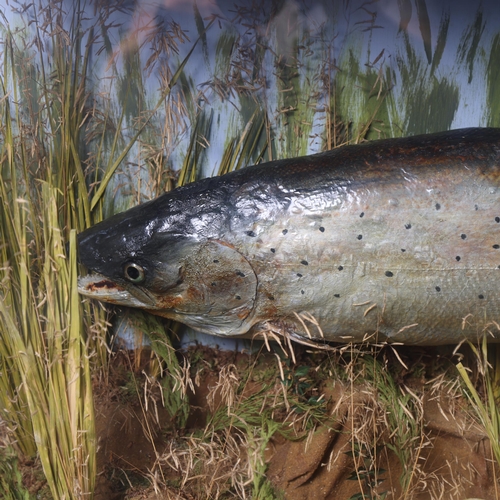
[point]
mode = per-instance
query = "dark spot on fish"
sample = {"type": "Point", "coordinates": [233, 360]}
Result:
{"type": "Point", "coordinates": [362, 214]}
{"type": "Point", "coordinates": [497, 219]}
{"type": "Point", "coordinates": [270, 297]}
{"type": "Point", "coordinates": [251, 234]}
{"type": "Point", "coordinates": [438, 289]}
{"type": "Point", "coordinates": [496, 247]}
{"type": "Point", "coordinates": [403, 249]}
{"type": "Point", "coordinates": [336, 295]}
{"type": "Point", "coordinates": [284, 231]}
{"type": "Point", "coordinates": [457, 258]}
{"type": "Point", "coordinates": [463, 236]}
{"type": "Point", "coordinates": [476, 207]}
{"type": "Point", "coordinates": [408, 226]}
{"type": "Point", "coordinates": [239, 273]}
{"type": "Point", "coordinates": [273, 250]}
{"type": "Point", "coordinates": [322, 229]}
{"type": "Point", "coordinates": [299, 275]}
{"type": "Point", "coordinates": [481, 296]}
{"type": "Point", "coordinates": [389, 274]}
{"type": "Point", "coordinates": [302, 292]}
{"type": "Point", "coordinates": [215, 261]}
{"type": "Point", "coordinates": [360, 236]}
{"type": "Point", "coordinates": [304, 262]}
{"type": "Point", "coordinates": [438, 206]}
{"type": "Point", "coordinates": [238, 297]}
{"type": "Point", "coordinates": [340, 268]}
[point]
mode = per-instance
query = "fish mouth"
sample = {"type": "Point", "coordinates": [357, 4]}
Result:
{"type": "Point", "coordinates": [96, 286]}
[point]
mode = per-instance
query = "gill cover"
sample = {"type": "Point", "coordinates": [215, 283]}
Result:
{"type": "Point", "coordinates": [217, 292]}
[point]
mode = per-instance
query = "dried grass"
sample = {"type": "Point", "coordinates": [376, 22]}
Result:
{"type": "Point", "coordinates": [61, 130]}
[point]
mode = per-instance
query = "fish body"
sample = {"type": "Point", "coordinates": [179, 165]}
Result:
{"type": "Point", "coordinates": [394, 240]}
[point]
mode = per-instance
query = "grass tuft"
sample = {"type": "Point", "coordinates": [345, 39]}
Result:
{"type": "Point", "coordinates": [485, 402]}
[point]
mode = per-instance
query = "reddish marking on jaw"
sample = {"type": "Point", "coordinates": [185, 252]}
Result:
{"type": "Point", "coordinates": [111, 301]}
{"type": "Point", "coordinates": [103, 284]}
{"type": "Point", "coordinates": [194, 294]}
{"type": "Point", "coordinates": [191, 296]}
{"type": "Point", "coordinates": [170, 302]}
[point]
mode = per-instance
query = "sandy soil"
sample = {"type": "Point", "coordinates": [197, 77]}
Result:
{"type": "Point", "coordinates": [344, 457]}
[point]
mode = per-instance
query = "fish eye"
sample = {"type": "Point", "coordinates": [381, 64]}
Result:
{"type": "Point", "coordinates": [134, 273]}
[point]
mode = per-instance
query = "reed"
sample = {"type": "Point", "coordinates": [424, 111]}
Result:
{"type": "Point", "coordinates": [46, 397]}
{"type": "Point", "coordinates": [484, 400]}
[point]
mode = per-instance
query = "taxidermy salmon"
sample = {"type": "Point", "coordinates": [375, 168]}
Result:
{"type": "Point", "coordinates": [394, 240]}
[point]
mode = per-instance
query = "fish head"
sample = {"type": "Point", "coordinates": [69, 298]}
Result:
{"type": "Point", "coordinates": [139, 261]}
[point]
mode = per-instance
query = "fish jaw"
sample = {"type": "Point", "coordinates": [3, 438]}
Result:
{"type": "Point", "coordinates": [99, 287]}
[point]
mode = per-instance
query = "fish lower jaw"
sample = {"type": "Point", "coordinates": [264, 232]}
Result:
{"type": "Point", "coordinates": [98, 287]}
